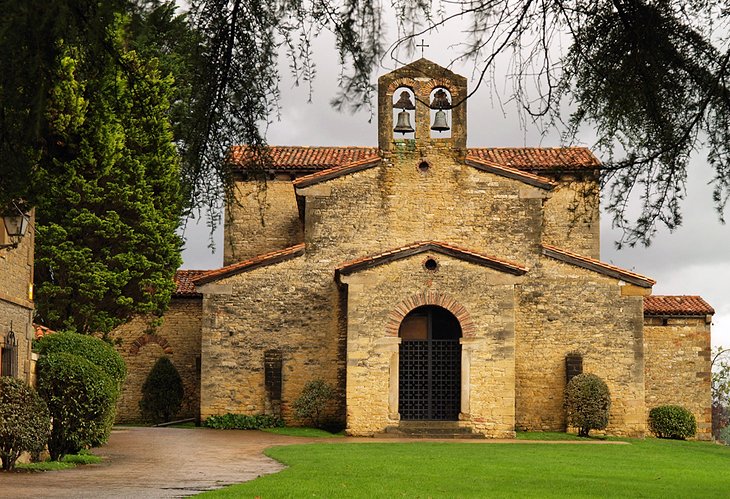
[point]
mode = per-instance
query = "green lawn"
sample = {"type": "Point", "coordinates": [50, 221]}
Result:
{"type": "Point", "coordinates": [648, 468]}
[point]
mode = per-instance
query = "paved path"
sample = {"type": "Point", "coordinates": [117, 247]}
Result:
{"type": "Point", "coordinates": [168, 462]}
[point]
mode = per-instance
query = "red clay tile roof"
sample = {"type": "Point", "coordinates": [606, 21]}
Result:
{"type": "Point", "coordinates": [184, 285]}
{"type": "Point", "coordinates": [676, 305]}
{"type": "Point", "coordinates": [539, 158]}
{"type": "Point", "coordinates": [369, 261]}
{"type": "Point", "coordinates": [597, 266]}
{"type": "Point", "coordinates": [337, 171]}
{"type": "Point", "coordinates": [250, 264]}
{"type": "Point", "coordinates": [506, 171]}
{"type": "Point", "coordinates": [305, 159]}
{"type": "Point", "coordinates": [41, 331]}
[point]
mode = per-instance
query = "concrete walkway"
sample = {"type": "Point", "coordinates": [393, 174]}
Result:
{"type": "Point", "coordinates": [169, 462]}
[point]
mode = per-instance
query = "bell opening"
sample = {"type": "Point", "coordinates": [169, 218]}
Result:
{"type": "Point", "coordinates": [403, 113]}
{"type": "Point", "coordinates": [440, 113]}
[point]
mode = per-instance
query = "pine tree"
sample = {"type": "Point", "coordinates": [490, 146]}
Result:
{"type": "Point", "coordinates": [106, 243]}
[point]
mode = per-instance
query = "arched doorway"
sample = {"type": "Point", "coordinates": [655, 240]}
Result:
{"type": "Point", "coordinates": [429, 384]}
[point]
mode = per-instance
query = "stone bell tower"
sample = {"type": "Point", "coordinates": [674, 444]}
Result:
{"type": "Point", "coordinates": [421, 106]}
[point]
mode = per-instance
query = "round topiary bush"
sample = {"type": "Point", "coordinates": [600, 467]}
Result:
{"type": "Point", "coordinates": [93, 349]}
{"type": "Point", "coordinates": [672, 421]}
{"type": "Point", "coordinates": [312, 405]}
{"type": "Point", "coordinates": [24, 421]}
{"type": "Point", "coordinates": [80, 397]}
{"type": "Point", "coordinates": [587, 403]}
{"type": "Point", "coordinates": [162, 392]}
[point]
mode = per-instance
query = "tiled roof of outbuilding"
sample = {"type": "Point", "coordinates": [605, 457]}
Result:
{"type": "Point", "coordinates": [184, 285]}
{"type": "Point", "coordinates": [312, 159]}
{"type": "Point", "coordinates": [676, 305]}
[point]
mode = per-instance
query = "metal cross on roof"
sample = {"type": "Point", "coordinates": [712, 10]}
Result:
{"type": "Point", "coordinates": [422, 46]}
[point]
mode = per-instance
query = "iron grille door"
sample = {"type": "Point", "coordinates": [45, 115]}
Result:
{"type": "Point", "coordinates": [430, 379]}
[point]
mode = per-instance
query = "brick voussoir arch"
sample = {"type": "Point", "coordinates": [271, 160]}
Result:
{"type": "Point", "coordinates": [146, 339]}
{"type": "Point", "coordinates": [437, 298]}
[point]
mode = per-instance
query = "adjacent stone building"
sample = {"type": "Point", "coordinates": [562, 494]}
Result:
{"type": "Point", "coordinates": [16, 302]}
{"type": "Point", "coordinates": [432, 284]}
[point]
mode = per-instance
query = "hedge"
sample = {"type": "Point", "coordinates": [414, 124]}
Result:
{"type": "Point", "coordinates": [24, 421]}
{"type": "Point", "coordinates": [672, 421]}
{"type": "Point", "coordinates": [243, 422]}
{"type": "Point", "coordinates": [587, 403]}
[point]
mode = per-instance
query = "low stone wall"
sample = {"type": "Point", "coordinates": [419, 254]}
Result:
{"type": "Point", "coordinates": [177, 338]}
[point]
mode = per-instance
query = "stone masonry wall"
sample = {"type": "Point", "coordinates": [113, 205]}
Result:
{"type": "Point", "coordinates": [16, 297]}
{"type": "Point", "coordinates": [572, 217]}
{"type": "Point", "coordinates": [677, 369]}
{"type": "Point", "coordinates": [484, 301]}
{"type": "Point", "coordinates": [566, 309]}
{"type": "Point", "coordinates": [177, 338]}
{"type": "Point", "coordinates": [291, 307]}
{"type": "Point", "coordinates": [394, 204]}
{"type": "Point", "coordinates": [264, 218]}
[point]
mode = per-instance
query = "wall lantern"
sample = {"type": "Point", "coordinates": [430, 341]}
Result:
{"type": "Point", "coordinates": [16, 225]}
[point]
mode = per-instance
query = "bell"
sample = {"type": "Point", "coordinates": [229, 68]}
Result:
{"type": "Point", "coordinates": [440, 100]}
{"type": "Point", "coordinates": [404, 123]}
{"type": "Point", "coordinates": [439, 122]}
{"type": "Point", "coordinates": [404, 102]}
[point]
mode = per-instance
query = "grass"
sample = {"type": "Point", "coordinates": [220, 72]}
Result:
{"type": "Point", "coordinates": [302, 432]}
{"type": "Point", "coordinates": [555, 435]}
{"type": "Point", "coordinates": [69, 461]}
{"type": "Point", "coordinates": [644, 468]}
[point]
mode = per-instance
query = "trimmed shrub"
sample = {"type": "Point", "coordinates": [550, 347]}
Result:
{"type": "Point", "coordinates": [243, 422]}
{"type": "Point", "coordinates": [587, 403]}
{"type": "Point", "coordinates": [80, 397]}
{"type": "Point", "coordinates": [91, 348]}
{"type": "Point", "coordinates": [311, 406]}
{"type": "Point", "coordinates": [162, 392]}
{"type": "Point", "coordinates": [24, 421]}
{"type": "Point", "coordinates": [672, 421]}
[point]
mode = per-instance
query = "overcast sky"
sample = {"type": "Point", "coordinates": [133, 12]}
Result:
{"type": "Point", "coordinates": [694, 260]}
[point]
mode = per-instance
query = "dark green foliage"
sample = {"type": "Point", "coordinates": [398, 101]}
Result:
{"type": "Point", "coordinates": [80, 397]}
{"type": "Point", "coordinates": [24, 421]}
{"type": "Point", "coordinates": [162, 392]}
{"type": "Point", "coordinates": [243, 422]}
{"type": "Point", "coordinates": [587, 403]}
{"type": "Point", "coordinates": [312, 406]}
{"type": "Point", "coordinates": [106, 245]}
{"type": "Point", "coordinates": [672, 421]}
{"type": "Point", "coordinates": [93, 349]}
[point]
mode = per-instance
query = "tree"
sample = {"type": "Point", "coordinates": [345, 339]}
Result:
{"type": "Point", "coordinates": [106, 245]}
{"type": "Point", "coordinates": [650, 76]}
{"type": "Point", "coordinates": [312, 406]}
{"type": "Point", "coordinates": [24, 421]}
{"type": "Point", "coordinates": [162, 392]}
{"type": "Point", "coordinates": [587, 403]}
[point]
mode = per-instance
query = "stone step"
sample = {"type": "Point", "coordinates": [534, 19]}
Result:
{"type": "Point", "coordinates": [430, 429]}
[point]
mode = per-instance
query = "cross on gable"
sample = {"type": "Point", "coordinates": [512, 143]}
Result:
{"type": "Point", "coordinates": [422, 45]}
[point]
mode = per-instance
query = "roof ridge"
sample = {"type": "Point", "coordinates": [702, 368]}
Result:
{"type": "Point", "coordinates": [337, 171]}
{"type": "Point", "coordinates": [510, 172]}
{"type": "Point", "coordinates": [251, 263]}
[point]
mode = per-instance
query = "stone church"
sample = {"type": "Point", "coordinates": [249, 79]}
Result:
{"type": "Point", "coordinates": [432, 284]}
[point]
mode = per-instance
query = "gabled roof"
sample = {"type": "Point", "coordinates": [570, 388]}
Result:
{"type": "Point", "coordinates": [597, 266]}
{"type": "Point", "coordinates": [337, 171]}
{"type": "Point", "coordinates": [509, 172]}
{"type": "Point", "coordinates": [676, 305]}
{"type": "Point", "coordinates": [539, 158]}
{"type": "Point", "coordinates": [399, 253]}
{"type": "Point", "coordinates": [250, 264]}
{"type": "Point", "coordinates": [185, 285]}
{"type": "Point", "coordinates": [304, 159]}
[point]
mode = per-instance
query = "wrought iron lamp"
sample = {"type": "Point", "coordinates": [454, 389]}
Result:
{"type": "Point", "coordinates": [16, 225]}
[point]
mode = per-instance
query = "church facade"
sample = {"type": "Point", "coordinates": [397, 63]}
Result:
{"type": "Point", "coordinates": [431, 284]}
